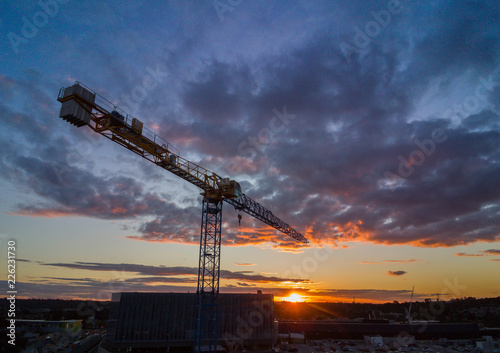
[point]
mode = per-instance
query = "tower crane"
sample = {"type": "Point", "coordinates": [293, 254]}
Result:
{"type": "Point", "coordinates": [81, 106]}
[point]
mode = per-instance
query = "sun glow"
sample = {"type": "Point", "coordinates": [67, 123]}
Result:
{"type": "Point", "coordinates": [295, 298]}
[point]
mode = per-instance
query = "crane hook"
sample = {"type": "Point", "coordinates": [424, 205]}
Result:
{"type": "Point", "coordinates": [239, 219]}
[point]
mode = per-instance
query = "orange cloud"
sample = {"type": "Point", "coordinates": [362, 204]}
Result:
{"type": "Point", "coordinates": [396, 273]}
{"type": "Point", "coordinates": [118, 210]}
{"type": "Point", "coordinates": [492, 251]}
{"type": "Point", "coordinates": [462, 254]}
{"type": "Point", "coordinates": [41, 213]}
{"type": "Point", "coordinates": [392, 261]}
{"type": "Point", "coordinates": [402, 261]}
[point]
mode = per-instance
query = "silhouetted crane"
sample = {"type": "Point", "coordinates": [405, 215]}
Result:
{"type": "Point", "coordinates": [81, 106]}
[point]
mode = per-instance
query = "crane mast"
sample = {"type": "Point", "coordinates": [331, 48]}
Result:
{"type": "Point", "coordinates": [83, 107]}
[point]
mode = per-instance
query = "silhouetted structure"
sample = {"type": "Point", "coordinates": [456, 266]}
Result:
{"type": "Point", "coordinates": [161, 320]}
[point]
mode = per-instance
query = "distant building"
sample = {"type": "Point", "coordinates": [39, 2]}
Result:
{"type": "Point", "coordinates": [156, 321]}
{"type": "Point", "coordinates": [45, 326]}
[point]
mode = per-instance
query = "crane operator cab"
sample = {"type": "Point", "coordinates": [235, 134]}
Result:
{"type": "Point", "coordinates": [230, 188]}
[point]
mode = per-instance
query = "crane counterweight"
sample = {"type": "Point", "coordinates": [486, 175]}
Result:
{"type": "Point", "coordinates": [72, 111]}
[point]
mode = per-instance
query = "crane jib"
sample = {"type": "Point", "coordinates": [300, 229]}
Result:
{"type": "Point", "coordinates": [81, 106]}
{"type": "Point", "coordinates": [253, 208]}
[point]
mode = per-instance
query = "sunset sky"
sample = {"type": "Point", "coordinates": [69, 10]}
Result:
{"type": "Point", "coordinates": [370, 127]}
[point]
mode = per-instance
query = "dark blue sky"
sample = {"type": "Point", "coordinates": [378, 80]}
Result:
{"type": "Point", "coordinates": [358, 122]}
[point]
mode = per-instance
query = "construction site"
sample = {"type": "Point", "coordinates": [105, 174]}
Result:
{"type": "Point", "coordinates": [207, 321]}
{"type": "Point", "coordinates": [250, 176]}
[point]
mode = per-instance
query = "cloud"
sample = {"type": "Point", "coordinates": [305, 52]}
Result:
{"type": "Point", "coordinates": [492, 252]}
{"type": "Point", "coordinates": [402, 261]}
{"type": "Point", "coordinates": [244, 264]}
{"type": "Point", "coordinates": [99, 289]}
{"type": "Point", "coordinates": [152, 280]}
{"type": "Point", "coordinates": [135, 277]}
{"type": "Point", "coordinates": [482, 253]}
{"type": "Point", "coordinates": [468, 255]}
{"type": "Point", "coordinates": [246, 284]}
{"type": "Point", "coordinates": [323, 171]}
{"type": "Point", "coordinates": [123, 268]}
{"type": "Point", "coordinates": [90, 288]}
{"type": "Point", "coordinates": [396, 273]}
{"type": "Point", "coordinates": [392, 261]}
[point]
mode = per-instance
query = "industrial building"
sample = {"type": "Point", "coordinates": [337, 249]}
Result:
{"type": "Point", "coordinates": [159, 321]}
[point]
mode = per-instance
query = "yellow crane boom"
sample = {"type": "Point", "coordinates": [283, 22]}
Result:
{"type": "Point", "coordinates": [81, 106]}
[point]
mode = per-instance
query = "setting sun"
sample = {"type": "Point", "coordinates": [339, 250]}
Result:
{"type": "Point", "coordinates": [295, 298]}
